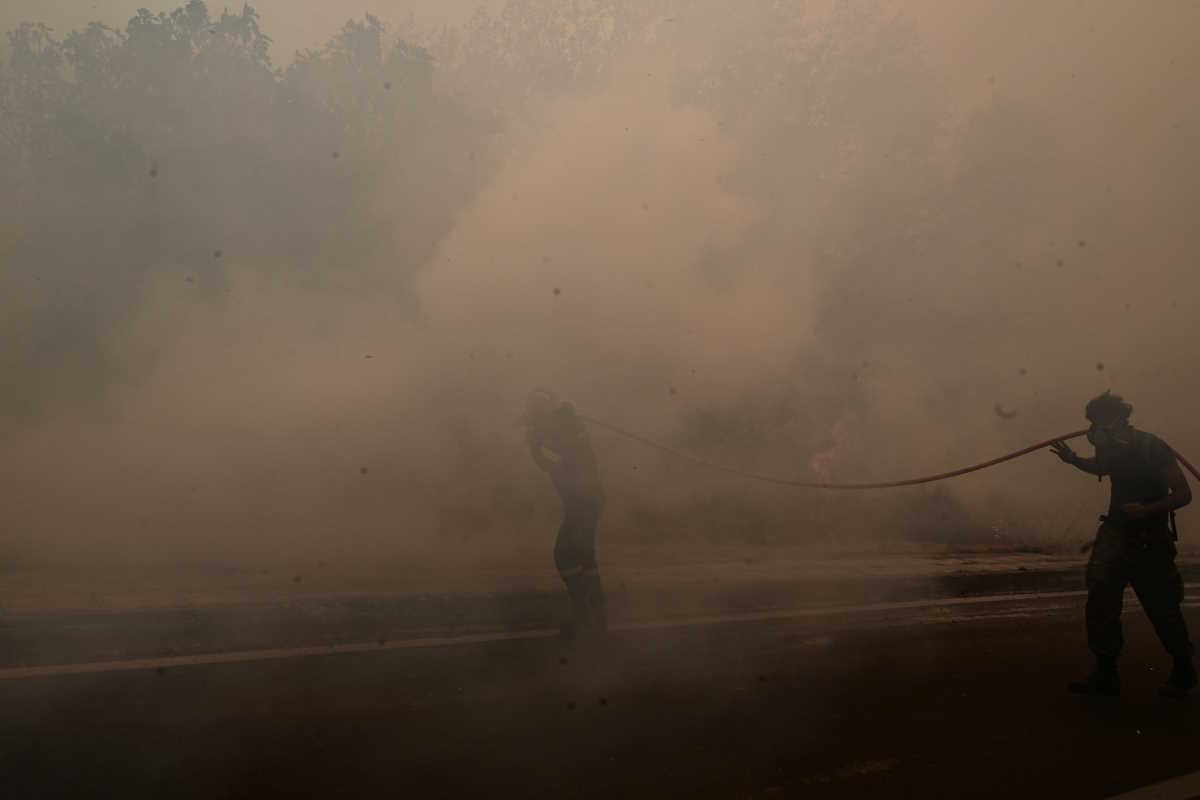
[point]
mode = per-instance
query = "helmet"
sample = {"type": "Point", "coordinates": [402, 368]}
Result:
{"type": "Point", "coordinates": [538, 406]}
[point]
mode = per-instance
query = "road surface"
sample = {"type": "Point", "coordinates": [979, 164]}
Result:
{"type": "Point", "coordinates": [952, 696]}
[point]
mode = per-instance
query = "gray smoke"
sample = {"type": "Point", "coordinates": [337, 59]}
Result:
{"type": "Point", "coordinates": [257, 303]}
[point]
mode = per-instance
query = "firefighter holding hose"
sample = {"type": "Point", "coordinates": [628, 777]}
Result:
{"type": "Point", "coordinates": [1134, 545]}
{"type": "Point", "coordinates": [559, 444]}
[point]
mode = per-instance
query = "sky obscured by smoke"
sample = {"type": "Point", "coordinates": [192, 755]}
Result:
{"type": "Point", "coordinates": [257, 308]}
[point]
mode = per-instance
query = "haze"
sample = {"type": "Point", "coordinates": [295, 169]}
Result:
{"type": "Point", "coordinates": [255, 310]}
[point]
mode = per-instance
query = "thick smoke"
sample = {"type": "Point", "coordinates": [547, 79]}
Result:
{"type": "Point", "coordinates": [297, 320]}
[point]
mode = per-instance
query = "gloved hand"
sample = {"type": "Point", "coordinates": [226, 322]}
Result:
{"type": "Point", "coordinates": [1135, 511]}
{"type": "Point", "coordinates": [1064, 451]}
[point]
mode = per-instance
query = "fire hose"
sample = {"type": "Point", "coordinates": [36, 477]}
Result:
{"type": "Point", "coordinates": [803, 484]}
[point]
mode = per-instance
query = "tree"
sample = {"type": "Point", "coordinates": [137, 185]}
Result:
{"type": "Point", "coordinates": [140, 153]}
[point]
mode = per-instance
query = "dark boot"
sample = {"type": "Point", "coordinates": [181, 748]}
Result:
{"type": "Point", "coordinates": [1181, 680]}
{"type": "Point", "coordinates": [1103, 682]}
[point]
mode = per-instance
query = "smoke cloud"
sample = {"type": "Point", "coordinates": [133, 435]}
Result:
{"type": "Point", "coordinates": [857, 242]}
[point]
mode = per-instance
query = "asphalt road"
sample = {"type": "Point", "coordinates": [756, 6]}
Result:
{"type": "Point", "coordinates": [959, 697]}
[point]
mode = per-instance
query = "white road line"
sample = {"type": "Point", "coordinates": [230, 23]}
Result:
{"type": "Point", "coordinates": [240, 656]}
{"type": "Point", "coordinates": [237, 657]}
{"type": "Point", "coordinates": [1185, 787]}
{"type": "Point", "coordinates": [829, 611]}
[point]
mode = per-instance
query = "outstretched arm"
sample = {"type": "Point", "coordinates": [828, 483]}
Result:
{"type": "Point", "coordinates": [1069, 456]}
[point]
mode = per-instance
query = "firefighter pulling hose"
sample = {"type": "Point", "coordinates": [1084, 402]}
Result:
{"type": "Point", "coordinates": [1135, 543]}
